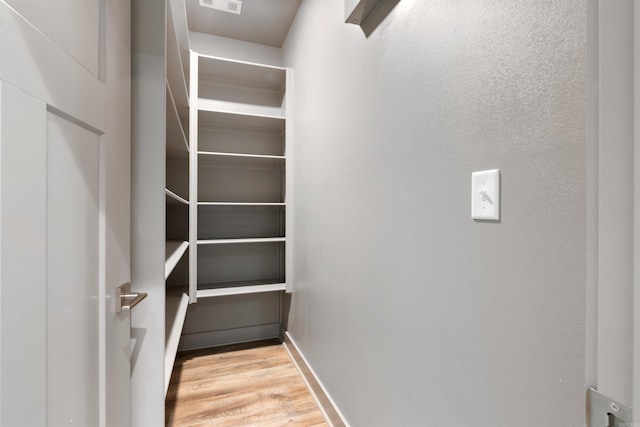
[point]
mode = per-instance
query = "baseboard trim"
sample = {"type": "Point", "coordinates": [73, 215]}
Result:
{"type": "Point", "coordinates": [327, 406]}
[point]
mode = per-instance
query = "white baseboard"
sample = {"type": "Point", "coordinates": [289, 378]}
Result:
{"type": "Point", "coordinates": [327, 406]}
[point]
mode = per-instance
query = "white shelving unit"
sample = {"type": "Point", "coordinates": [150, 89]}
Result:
{"type": "Point", "coordinates": [240, 131]}
{"type": "Point", "coordinates": [177, 153]}
{"type": "Point", "coordinates": [238, 177]}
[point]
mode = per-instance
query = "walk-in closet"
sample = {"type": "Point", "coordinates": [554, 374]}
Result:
{"type": "Point", "coordinates": [223, 216]}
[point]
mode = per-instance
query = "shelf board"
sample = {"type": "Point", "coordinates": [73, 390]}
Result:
{"type": "Point", "coordinates": [173, 253]}
{"type": "Point", "coordinates": [175, 72]}
{"type": "Point", "coordinates": [179, 15]}
{"type": "Point", "coordinates": [268, 77]}
{"type": "Point", "coordinates": [175, 313]}
{"type": "Point", "coordinates": [239, 108]}
{"type": "Point", "coordinates": [215, 159]}
{"type": "Point", "coordinates": [241, 155]}
{"type": "Point", "coordinates": [176, 138]}
{"type": "Point", "coordinates": [238, 288]}
{"type": "Point", "coordinates": [241, 129]}
{"type": "Point", "coordinates": [235, 115]}
{"type": "Point", "coordinates": [173, 198]}
{"type": "Point", "coordinates": [237, 241]}
{"type": "Point", "coordinates": [239, 204]}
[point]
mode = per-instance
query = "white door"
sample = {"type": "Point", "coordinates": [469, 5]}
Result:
{"type": "Point", "coordinates": [64, 212]}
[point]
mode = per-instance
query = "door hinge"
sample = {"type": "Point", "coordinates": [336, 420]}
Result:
{"type": "Point", "coordinates": [603, 411]}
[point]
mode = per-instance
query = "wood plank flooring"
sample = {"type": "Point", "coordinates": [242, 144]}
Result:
{"type": "Point", "coordinates": [252, 384]}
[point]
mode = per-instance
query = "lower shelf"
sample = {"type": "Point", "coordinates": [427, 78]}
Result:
{"type": "Point", "coordinates": [239, 288]}
{"type": "Point", "coordinates": [173, 253]}
{"type": "Point", "coordinates": [176, 311]}
{"type": "Point", "coordinates": [233, 241]}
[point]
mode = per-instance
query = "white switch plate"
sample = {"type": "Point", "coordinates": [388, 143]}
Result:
{"type": "Point", "coordinates": [485, 195]}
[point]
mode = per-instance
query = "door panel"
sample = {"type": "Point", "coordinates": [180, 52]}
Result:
{"type": "Point", "coordinates": [22, 275]}
{"type": "Point", "coordinates": [38, 66]}
{"type": "Point", "coordinates": [64, 217]}
{"type": "Point", "coordinates": [72, 274]}
{"type": "Point", "coordinates": [74, 25]}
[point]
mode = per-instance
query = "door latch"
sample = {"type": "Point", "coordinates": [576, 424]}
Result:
{"type": "Point", "coordinates": [606, 412]}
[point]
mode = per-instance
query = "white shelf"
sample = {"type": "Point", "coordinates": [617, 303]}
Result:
{"type": "Point", "coordinates": [228, 107]}
{"type": "Point", "coordinates": [173, 252]}
{"type": "Point", "coordinates": [231, 120]}
{"type": "Point", "coordinates": [266, 77]}
{"type": "Point", "coordinates": [240, 155]}
{"type": "Point", "coordinates": [175, 72]}
{"type": "Point", "coordinates": [176, 138]}
{"type": "Point", "coordinates": [236, 241]}
{"type": "Point", "coordinates": [174, 198]}
{"type": "Point", "coordinates": [239, 204]}
{"type": "Point", "coordinates": [175, 313]}
{"type": "Point", "coordinates": [237, 288]}
{"type": "Point", "coordinates": [209, 159]}
{"type": "Point", "coordinates": [224, 114]}
{"type": "Point", "coordinates": [179, 14]}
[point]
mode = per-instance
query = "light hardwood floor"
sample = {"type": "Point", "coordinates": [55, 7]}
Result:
{"type": "Point", "coordinates": [242, 385]}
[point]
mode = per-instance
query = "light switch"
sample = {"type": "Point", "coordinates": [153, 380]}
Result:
{"type": "Point", "coordinates": [485, 195]}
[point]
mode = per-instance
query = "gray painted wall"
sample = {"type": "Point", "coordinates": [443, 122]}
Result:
{"type": "Point", "coordinates": [410, 312]}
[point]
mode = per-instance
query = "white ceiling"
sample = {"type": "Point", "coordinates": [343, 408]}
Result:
{"type": "Point", "coordinates": [262, 21]}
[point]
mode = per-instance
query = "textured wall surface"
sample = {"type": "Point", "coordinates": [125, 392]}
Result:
{"type": "Point", "coordinates": [411, 313]}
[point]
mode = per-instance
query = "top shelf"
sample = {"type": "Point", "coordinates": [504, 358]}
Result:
{"type": "Point", "coordinates": [211, 116]}
{"type": "Point", "coordinates": [175, 72]}
{"type": "Point", "coordinates": [265, 77]}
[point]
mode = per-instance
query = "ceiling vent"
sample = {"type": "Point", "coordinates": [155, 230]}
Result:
{"type": "Point", "coordinates": [231, 6]}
